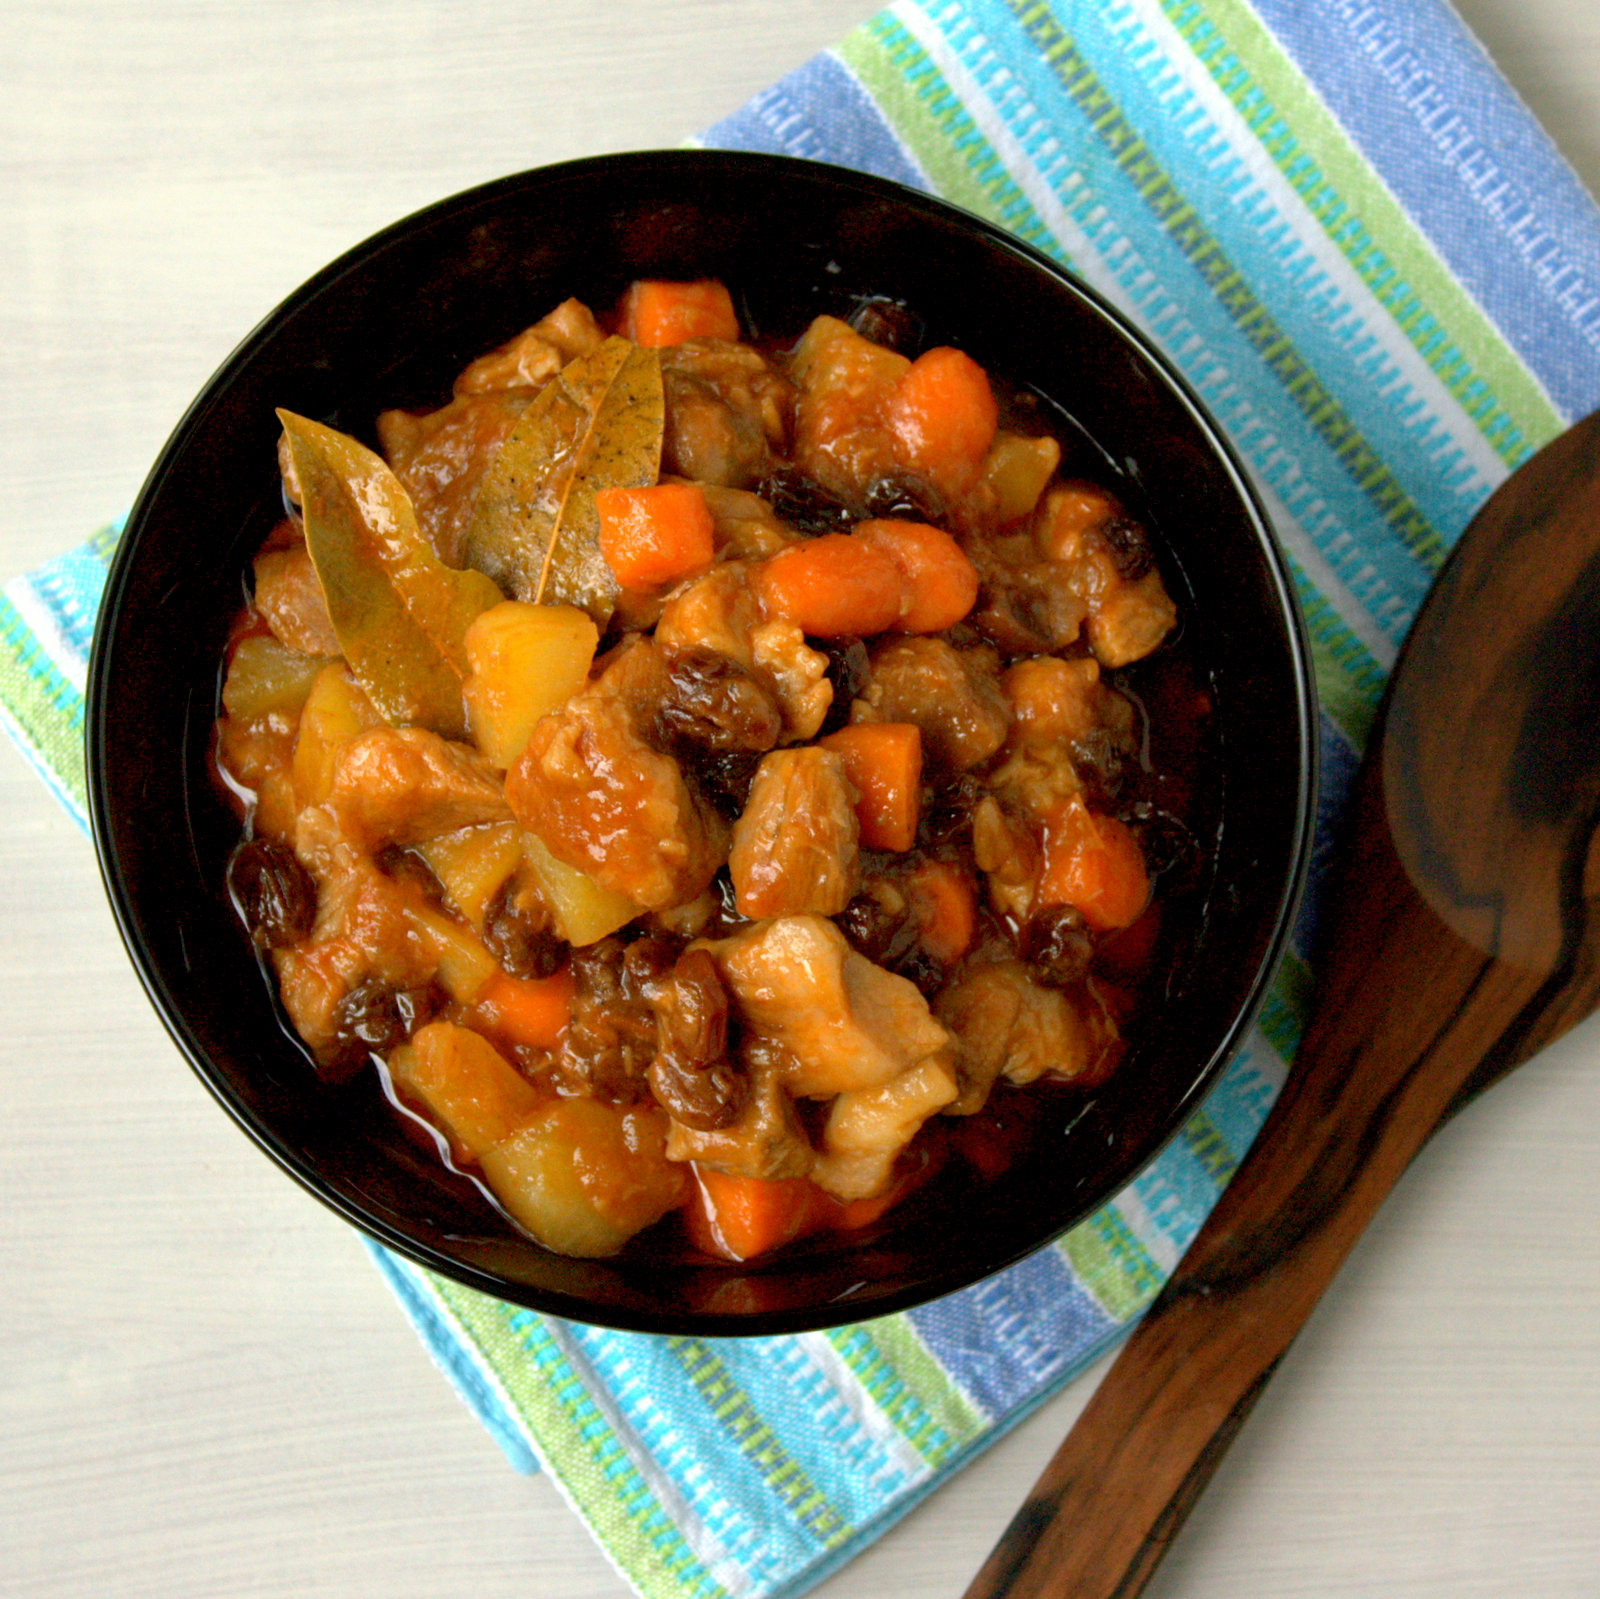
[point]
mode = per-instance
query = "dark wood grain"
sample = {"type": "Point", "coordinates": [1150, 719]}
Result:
{"type": "Point", "coordinates": [1463, 937]}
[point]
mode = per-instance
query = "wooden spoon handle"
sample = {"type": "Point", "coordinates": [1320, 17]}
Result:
{"type": "Point", "coordinates": [1372, 1079]}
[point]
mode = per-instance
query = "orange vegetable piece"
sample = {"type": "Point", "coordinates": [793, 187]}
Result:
{"type": "Point", "coordinates": [652, 537]}
{"type": "Point", "coordinates": [943, 414]}
{"type": "Point", "coordinates": [943, 904]}
{"type": "Point", "coordinates": [529, 1011]}
{"type": "Point", "coordinates": [941, 584]}
{"type": "Point", "coordinates": [740, 1217]}
{"type": "Point", "coordinates": [832, 586]}
{"type": "Point", "coordinates": [850, 1215]}
{"type": "Point", "coordinates": [657, 312]}
{"type": "Point", "coordinates": [1094, 863]}
{"type": "Point", "coordinates": [884, 762]}
{"type": "Point", "coordinates": [466, 1083]}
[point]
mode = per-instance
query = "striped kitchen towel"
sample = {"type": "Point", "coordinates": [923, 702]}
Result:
{"type": "Point", "coordinates": [1344, 228]}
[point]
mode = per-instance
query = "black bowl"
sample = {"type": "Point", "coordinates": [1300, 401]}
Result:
{"type": "Point", "coordinates": [389, 324]}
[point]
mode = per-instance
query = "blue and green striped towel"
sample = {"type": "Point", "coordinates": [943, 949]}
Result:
{"type": "Point", "coordinates": [1342, 225]}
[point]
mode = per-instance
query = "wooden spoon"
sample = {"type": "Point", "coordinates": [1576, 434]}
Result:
{"type": "Point", "coordinates": [1464, 937]}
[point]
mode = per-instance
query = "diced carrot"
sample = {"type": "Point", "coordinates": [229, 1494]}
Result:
{"type": "Point", "coordinates": [884, 762]}
{"type": "Point", "coordinates": [741, 1217]}
{"type": "Point", "coordinates": [655, 536]}
{"type": "Point", "coordinates": [941, 583]}
{"type": "Point", "coordinates": [943, 414]}
{"type": "Point", "coordinates": [529, 1011]}
{"type": "Point", "coordinates": [943, 904]}
{"type": "Point", "coordinates": [850, 1215]}
{"type": "Point", "coordinates": [1094, 863]}
{"type": "Point", "coordinates": [657, 312]}
{"type": "Point", "coordinates": [832, 586]}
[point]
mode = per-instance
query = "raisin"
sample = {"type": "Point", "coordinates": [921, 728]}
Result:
{"type": "Point", "coordinates": [518, 932]}
{"type": "Point", "coordinates": [711, 700]}
{"type": "Point", "coordinates": [889, 323]}
{"type": "Point", "coordinates": [874, 925]}
{"type": "Point", "coordinates": [1130, 547]}
{"type": "Point", "coordinates": [897, 496]}
{"type": "Point", "coordinates": [803, 503]}
{"type": "Point", "coordinates": [1057, 943]}
{"type": "Point", "coordinates": [692, 1077]}
{"type": "Point", "coordinates": [1101, 761]}
{"type": "Point", "coordinates": [849, 667]}
{"type": "Point", "coordinates": [724, 779]}
{"type": "Point", "coordinates": [611, 1037]}
{"type": "Point", "coordinates": [1169, 847]}
{"type": "Point", "coordinates": [272, 892]}
{"type": "Point", "coordinates": [646, 963]}
{"type": "Point", "coordinates": [945, 816]}
{"type": "Point", "coordinates": [375, 1018]}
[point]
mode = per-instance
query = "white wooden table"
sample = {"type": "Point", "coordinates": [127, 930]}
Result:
{"type": "Point", "coordinates": [204, 1387]}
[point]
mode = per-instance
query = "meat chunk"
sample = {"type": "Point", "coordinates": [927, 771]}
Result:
{"type": "Point", "coordinates": [952, 695]}
{"type": "Point", "coordinates": [406, 785]}
{"type": "Point", "coordinates": [357, 981]}
{"type": "Point", "coordinates": [1131, 621]}
{"type": "Point", "coordinates": [1006, 1024]}
{"type": "Point", "coordinates": [845, 382]}
{"type": "Point", "coordinates": [1106, 559]}
{"type": "Point", "coordinates": [727, 410]}
{"type": "Point", "coordinates": [765, 1140]}
{"type": "Point", "coordinates": [535, 355]}
{"type": "Point", "coordinates": [288, 597]}
{"type": "Point", "coordinates": [744, 527]}
{"type": "Point", "coordinates": [441, 459]}
{"type": "Point", "coordinates": [795, 847]}
{"type": "Point", "coordinates": [868, 1127]}
{"type": "Point", "coordinates": [1008, 854]}
{"type": "Point", "coordinates": [1026, 604]}
{"type": "Point", "coordinates": [1070, 730]}
{"type": "Point", "coordinates": [720, 612]}
{"type": "Point", "coordinates": [603, 801]}
{"type": "Point", "coordinates": [845, 1023]}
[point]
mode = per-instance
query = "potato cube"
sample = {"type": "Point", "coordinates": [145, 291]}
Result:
{"type": "Point", "coordinates": [265, 676]}
{"type": "Point", "coordinates": [473, 865]}
{"type": "Point", "coordinates": [583, 910]}
{"type": "Point", "coordinates": [526, 660]}
{"type": "Point", "coordinates": [336, 711]}
{"type": "Point", "coordinates": [475, 1094]}
{"type": "Point", "coordinates": [584, 1177]}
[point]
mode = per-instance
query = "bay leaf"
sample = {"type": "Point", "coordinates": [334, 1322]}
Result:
{"type": "Point", "coordinates": [597, 424]}
{"type": "Point", "coordinates": [399, 612]}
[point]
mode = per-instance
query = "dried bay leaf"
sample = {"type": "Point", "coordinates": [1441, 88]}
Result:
{"type": "Point", "coordinates": [399, 612]}
{"type": "Point", "coordinates": [598, 424]}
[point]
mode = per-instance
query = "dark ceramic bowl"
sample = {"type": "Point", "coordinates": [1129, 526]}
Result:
{"type": "Point", "coordinates": [390, 324]}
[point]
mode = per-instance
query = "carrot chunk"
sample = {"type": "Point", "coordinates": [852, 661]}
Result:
{"type": "Point", "coordinates": [832, 586]}
{"type": "Point", "coordinates": [943, 904]}
{"type": "Point", "coordinates": [740, 1217]}
{"type": "Point", "coordinates": [655, 536]}
{"type": "Point", "coordinates": [943, 415]}
{"type": "Point", "coordinates": [884, 762]}
{"type": "Point", "coordinates": [941, 584]}
{"type": "Point", "coordinates": [529, 1011]}
{"type": "Point", "coordinates": [1094, 863]}
{"type": "Point", "coordinates": [657, 312]}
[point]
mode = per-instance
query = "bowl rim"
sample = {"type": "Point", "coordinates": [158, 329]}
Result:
{"type": "Point", "coordinates": [678, 163]}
